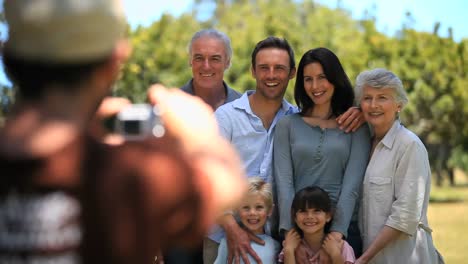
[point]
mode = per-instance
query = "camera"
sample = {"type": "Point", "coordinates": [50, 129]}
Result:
{"type": "Point", "coordinates": [139, 121]}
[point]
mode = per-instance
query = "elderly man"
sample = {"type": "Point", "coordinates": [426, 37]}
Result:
{"type": "Point", "coordinates": [210, 55]}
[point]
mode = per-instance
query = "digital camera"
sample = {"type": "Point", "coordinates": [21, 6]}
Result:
{"type": "Point", "coordinates": [138, 121]}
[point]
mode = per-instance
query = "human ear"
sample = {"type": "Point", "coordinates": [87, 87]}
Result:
{"type": "Point", "coordinates": [270, 211]}
{"type": "Point", "coordinates": [292, 73]}
{"type": "Point", "coordinates": [119, 56]}
{"type": "Point", "coordinates": [399, 107]}
{"type": "Point", "coordinates": [252, 71]}
{"type": "Point", "coordinates": [228, 63]}
{"type": "Point", "coordinates": [106, 74]}
{"type": "Point", "coordinates": [328, 217]}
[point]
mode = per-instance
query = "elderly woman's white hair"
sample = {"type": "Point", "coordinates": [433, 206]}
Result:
{"type": "Point", "coordinates": [380, 78]}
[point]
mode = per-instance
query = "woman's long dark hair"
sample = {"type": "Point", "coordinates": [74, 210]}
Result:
{"type": "Point", "coordinates": [343, 96]}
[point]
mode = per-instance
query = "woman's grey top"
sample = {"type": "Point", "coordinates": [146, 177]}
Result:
{"type": "Point", "coordinates": [306, 155]}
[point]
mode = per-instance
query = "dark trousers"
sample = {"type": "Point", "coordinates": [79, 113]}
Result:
{"type": "Point", "coordinates": [184, 256]}
{"type": "Point", "coordinates": [354, 238]}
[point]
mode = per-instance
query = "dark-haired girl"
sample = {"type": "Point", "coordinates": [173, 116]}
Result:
{"type": "Point", "coordinates": [311, 213]}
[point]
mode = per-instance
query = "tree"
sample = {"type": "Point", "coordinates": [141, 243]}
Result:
{"type": "Point", "coordinates": [159, 55]}
{"type": "Point", "coordinates": [433, 69]}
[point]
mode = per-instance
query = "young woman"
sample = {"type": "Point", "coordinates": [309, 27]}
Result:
{"type": "Point", "coordinates": [310, 149]}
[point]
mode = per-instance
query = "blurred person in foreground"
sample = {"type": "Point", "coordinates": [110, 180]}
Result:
{"type": "Point", "coordinates": [67, 197]}
{"type": "Point", "coordinates": [393, 214]}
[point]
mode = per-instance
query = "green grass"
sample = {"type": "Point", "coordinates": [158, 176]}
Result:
{"type": "Point", "coordinates": [448, 217]}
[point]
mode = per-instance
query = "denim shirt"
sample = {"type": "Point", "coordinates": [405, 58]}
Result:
{"type": "Point", "coordinates": [245, 130]}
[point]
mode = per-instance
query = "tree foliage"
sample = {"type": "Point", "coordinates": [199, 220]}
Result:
{"type": "Point", "coordinates": [432, 68]}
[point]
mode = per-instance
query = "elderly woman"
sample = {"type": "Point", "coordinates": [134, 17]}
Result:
{"type": "Point", "coordinates": [393, 213]}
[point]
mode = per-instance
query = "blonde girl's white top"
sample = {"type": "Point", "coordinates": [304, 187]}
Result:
{"type": "Point", "coordinates": [396, 191]}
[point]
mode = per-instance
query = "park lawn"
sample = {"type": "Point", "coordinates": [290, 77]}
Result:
{"type": "Point", "coordinates": [448, 217]}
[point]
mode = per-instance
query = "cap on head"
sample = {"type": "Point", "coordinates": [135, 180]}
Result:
{"type": "Point", "coordinates": [63, 31]}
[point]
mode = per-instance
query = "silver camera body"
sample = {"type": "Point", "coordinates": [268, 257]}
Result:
{"type": "Point", "coordinates": [139, 121]}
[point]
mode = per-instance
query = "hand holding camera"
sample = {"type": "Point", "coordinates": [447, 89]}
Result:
{"type": "Point", "coordinates": [185, 116]}
{"type": "Point", "coordinates": [192, 123]}
{"type": "Point", "coordinates": [138, 121]}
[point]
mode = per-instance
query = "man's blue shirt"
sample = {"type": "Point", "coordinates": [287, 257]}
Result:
{"type": "Point", "coordinates": [245, 130]}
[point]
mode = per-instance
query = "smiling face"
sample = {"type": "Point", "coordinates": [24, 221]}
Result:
{"type": "Point", "coordinates": [272, 73]}
{"type": "Point", "coordinates": [380, 108]}
{"type": "Point", "coordinates": [208, 61]}
{"type": "Point", "coordinates": [312, 221]}
{"type": "Point", "coordinates": [316, 84]}
{"type": "Point", "coordinates": [253, 213]}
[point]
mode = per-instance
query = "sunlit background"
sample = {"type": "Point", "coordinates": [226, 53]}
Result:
{"type": "Point", "coordinates": [431, 58]}
{"type": "Point", "coordinates": [389, 15]}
